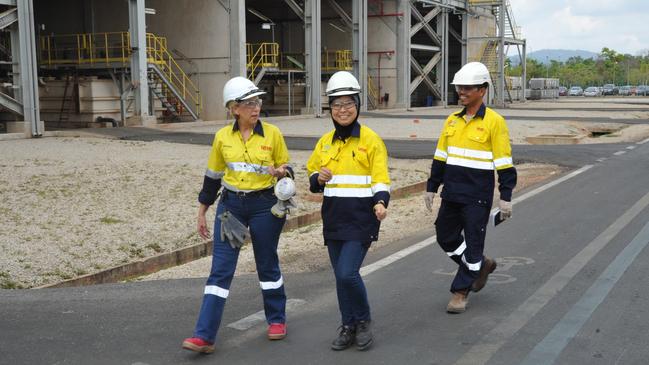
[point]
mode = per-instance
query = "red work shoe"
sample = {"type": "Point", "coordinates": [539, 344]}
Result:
{"type": "Point", "coordinates": [276, 331]}
{"type": "Point", "coordinates": [198, 345]}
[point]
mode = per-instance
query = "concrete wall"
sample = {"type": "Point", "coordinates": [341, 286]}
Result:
{"type": "Point", "coordinates": [482, 26]}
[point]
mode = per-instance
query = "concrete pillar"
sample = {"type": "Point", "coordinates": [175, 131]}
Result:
{"type": "Point", "coordinates": [465, 42]}
{"type": "Point", "coordinates": [313, 56]}
{"type": "Point", "coordinates": [137, 29]}
{"type": "Point", "coordinates": [238, 58]}
{"type": "Point", "coordinates": [28, 69]}
{"type": "Point", "coordinates": [403, 55]}
{"type": "Point", "coordinates": [359, 47]}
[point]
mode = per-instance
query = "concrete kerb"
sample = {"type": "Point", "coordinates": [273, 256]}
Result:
{"type": "Point", "coordinates": [184, 255]}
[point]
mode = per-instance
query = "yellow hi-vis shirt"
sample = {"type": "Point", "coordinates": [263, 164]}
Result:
{"type": "Point", "coordinates": [359, 166]}
{"type": "Point", "coordinates": [470, 152]}
{"type": "Point", "coordinates": [243, 166]}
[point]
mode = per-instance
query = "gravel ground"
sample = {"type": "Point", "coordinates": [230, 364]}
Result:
{"type": "Point", "coordinates": [72, 206]}
{"type": "Point", "coordinates": [302, 249]}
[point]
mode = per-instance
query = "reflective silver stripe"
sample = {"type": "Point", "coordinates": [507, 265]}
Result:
{"type": "Point", "coordinates": [485, 155]}
{"type": "Point", "coordinates": [459, 250]}
{"type": "Point", "coordinates": [350, 179]}
{"type": "Point", "coordinates": [482, 165]}
{"type": "Point", "coordinates": [215, 290]}
{"type": "Point", "coordinates": [214, 174]}
{"type": "Point", "coordinates": [472, 267]}
{"type": "Point", "coordinates": [441, 154]}
{"type": "Point", "coordinates": [503, 161]}
{"type": "Point", "coordinates": [235, 189]}
{"type": "Point", "coordinates": [349, 192]}
{"type": "Point", "coordinates": [248, 167]}
{"type": "Point", "coordinates": [268, 285]}
{"type": "Point", "coordinates": [380, 187]}
{"type": "Point", "coordinates": [314, 172]}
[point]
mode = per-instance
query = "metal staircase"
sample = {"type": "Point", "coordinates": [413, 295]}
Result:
{"type": "Point", "coordinates": [168, 81]}
{"type": "Point", "coordinates": [261, 58]}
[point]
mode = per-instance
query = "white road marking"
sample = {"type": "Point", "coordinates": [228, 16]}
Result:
{"type": "Point", "coordinates": [601, 159]}
{"type": "Point", "coordinates": [619, 153]}
{"type": "Point", "coordinates": [643, 141]}
{"type": "Point", "coordinates": [259, 317]}
{"type": "Point", "coordinates": [490, 343]}
{"type": "Point", "coordinates": [630, 147]}
{"type": "Point", "coordinates": [368, 269]}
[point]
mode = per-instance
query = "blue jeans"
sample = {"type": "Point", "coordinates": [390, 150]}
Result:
{"type": "Point", "coordinates": [265, 228]}
{"type": "Point", "coordinates": [346, 259]}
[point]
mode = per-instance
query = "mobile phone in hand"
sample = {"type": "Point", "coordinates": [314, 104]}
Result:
{"type": "Point", "coordinates": [495, 218]}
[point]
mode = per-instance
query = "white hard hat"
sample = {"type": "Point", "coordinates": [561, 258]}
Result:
{"type": "Point", "coordinates": [342, 83]}
{"type": "Point", "coordinates": [473, 73]}
{"type": "Point", "coordinates": [285, 189]}
{"type": "Point", "coordinates": [239, 88]}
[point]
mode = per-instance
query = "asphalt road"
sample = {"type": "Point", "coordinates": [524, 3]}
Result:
{"type": "Point", "coordinates": [570, 289]}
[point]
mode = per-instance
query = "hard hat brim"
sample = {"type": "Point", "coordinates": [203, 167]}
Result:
{"type": "Point", "coordinates": [343, 91]}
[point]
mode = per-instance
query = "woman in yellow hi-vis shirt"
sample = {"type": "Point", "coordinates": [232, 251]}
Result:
{"type": "Point", "coordinates": [247, 158]}
{"type": "Point", "coordinates": [350, 166]}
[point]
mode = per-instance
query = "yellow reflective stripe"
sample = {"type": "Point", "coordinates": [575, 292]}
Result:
{"type": "Point", "coordinates": [349, 192]}
{"type": "Point", "coordinates": [351, 179]}
{"type": "Point", "coordinates": [500, 162]}
{"type": "Point", "coordinates": [215, 290]}
{"type": "Point", "coordinates": [482, 165]}
{"type": "Point", "coordinates": [466, 152]}
{"type": "Point", "coordinates": [380, 187]}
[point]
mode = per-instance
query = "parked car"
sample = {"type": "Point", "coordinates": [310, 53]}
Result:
{"type": "Point", "coordinates": [576, 91]}
{"type": "Point", "coordinates": [625, 90]}
{"type": "Point", "coordinates": [642, 90]}
{"type": "Point", "coordinates": [563, 91]}
{"type": "Point", "coordinates": [591, 91]}
{"type": "Point", "coordinates": [610, 89]}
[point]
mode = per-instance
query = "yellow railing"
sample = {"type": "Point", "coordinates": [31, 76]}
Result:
{"type": "Point", "coordinates": [337, 60]}
{"type": "Point", "coordinates": [372, 91]}
{"type": "Point", "coordinates": [115, 48]}
{"type": "Point", "coordinates": [261, 55]}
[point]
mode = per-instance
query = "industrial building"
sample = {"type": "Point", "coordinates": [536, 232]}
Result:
{"type": "Point", "coordinates": [76, 63]}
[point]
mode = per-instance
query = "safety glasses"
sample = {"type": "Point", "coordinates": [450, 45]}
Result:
{"type": "Point", "coordinates": [251, 103]}
{"type": "Point", "coordinates": [343, 105]}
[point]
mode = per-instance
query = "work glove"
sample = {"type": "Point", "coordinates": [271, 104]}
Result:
{"type": "Point", "coordinates": [232, 230]}
{"type": "Point", "coordinates": [283, 207]}
{"type": "Point", "coordinates": [505, 209]}
{"type": "Point", "coordinates": [429, 196]}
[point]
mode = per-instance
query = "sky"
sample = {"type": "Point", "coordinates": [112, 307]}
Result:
{"type": "Point", "coordinates": [584, 24]}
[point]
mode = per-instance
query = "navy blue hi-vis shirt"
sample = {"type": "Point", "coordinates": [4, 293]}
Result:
{"type": "Point", "coordinates": [466, 156]}
{"type": "Point", "coordinates": [359, 166]}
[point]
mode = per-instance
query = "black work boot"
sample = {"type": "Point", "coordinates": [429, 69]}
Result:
{"type": "Point", "coordinates": [345, 338]}
{"type": "Point", "coordinates": [363, 335]}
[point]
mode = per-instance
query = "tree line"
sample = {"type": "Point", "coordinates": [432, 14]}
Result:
{"type": "Point", "coordinates": [609, 68]}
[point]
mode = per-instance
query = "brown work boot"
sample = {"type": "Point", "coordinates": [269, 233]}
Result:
{"type": "Point", "coordinates": [458, 301]}
{"type": "Point", "coordinates": [487, 268]}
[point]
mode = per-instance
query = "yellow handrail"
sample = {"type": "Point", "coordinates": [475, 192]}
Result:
{"type": "Point", "coordinates": [261, 55]}
{"type": "Point", "coordinates": [115, 48]}
{"type": "Point", "coordinates": [337, 60]}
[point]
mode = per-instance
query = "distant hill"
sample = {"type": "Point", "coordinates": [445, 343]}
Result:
{"type": "Point", "coordinates": [561, 55]}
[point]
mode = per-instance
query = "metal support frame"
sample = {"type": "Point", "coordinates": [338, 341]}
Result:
{"type": "Point", "coordinates": [28, 67]}
{"type": "Point", "coordinates": [437, 48]}
{"type": "Point", "coordinates": [500, 92]}
{"type": "Point", "coordinates": [238, 38]}
{"type": "Point", "coordinates": [312, 55]}
{"type": "Point", "coordinates": [296, 8]}
{"type": "Point", "coordinates": [137, 25]}
{"type": "Point", "coordinates": [359, 47]}
{"type": "Point", "coordinates": [465, 42]}
{"type": "Point", "coordinates": [524, 74]}
{"type": "Point", "coordinates": [342, 14]}
{"type": "Point", "coordinates": [403, 55]}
